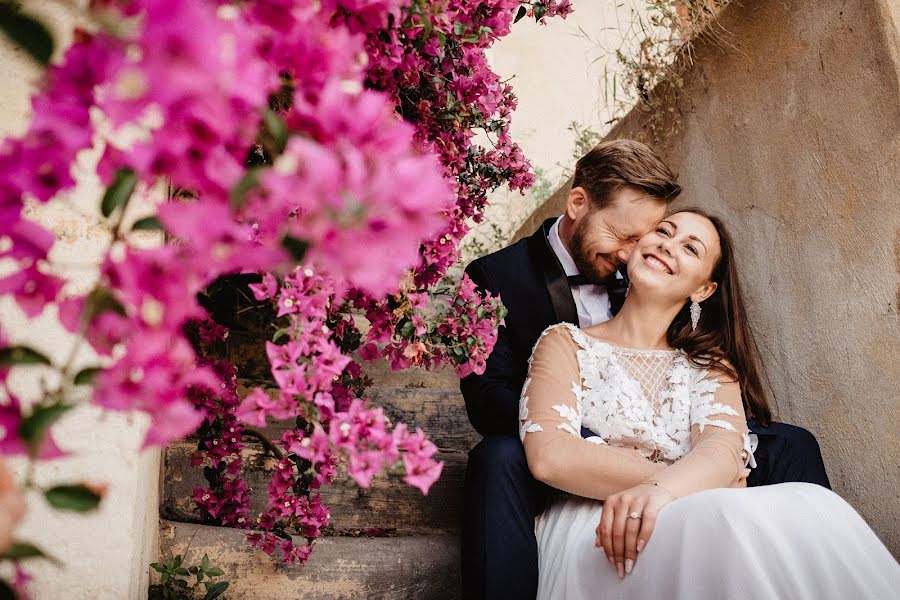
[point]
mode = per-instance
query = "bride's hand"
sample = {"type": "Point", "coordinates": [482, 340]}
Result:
{"type": "Point", "coordinates": [622, 537]}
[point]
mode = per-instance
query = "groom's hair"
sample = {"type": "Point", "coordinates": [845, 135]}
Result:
{"type": "Point", "coordinates": [616, 164]}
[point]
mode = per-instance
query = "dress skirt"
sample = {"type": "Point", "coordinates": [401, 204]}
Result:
{"type": "Point", "coordinates": [790, 540]}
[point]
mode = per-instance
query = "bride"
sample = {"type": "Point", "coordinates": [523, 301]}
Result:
{"type": "Point", "coordinates": [659, 486]}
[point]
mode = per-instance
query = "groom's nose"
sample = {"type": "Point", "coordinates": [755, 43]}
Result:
{"type": "Point", "coordinates": [625, 250]}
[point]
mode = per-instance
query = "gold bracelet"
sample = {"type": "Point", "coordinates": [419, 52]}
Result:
{"type": "Point", "coordinates": [658, 484]}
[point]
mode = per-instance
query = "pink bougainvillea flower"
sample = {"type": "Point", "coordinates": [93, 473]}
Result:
{"type": "Point", "coordinates": [12, 444]}
{"type": "Point", "coordinates": [172, 422]}
{"type": "Point", "coordinates": [421, 472]}
{"type": "Point", "coordinates": [253, 408]}
{"type": "Point", "coordinates": [363, 466]}
{"type": "Point", "coordinates": [32, 289]}
{"type": "Point", "coordinates": [266, 289]}
{"type": "Point", "coordinates": [28, 240]}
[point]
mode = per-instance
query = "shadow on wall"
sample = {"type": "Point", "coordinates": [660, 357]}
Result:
{"type": "Point", "coordinates": [790, 130]}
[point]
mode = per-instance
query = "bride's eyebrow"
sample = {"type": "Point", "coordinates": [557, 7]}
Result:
{"type": "Point", "coordinates": [690, 237]}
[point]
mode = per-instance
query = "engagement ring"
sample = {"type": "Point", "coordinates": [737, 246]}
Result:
{"type": "Point", "coordinates": [635, 515]}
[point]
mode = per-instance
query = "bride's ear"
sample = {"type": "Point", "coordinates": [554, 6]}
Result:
{"type": "Point", "coordinates": [705, 291]}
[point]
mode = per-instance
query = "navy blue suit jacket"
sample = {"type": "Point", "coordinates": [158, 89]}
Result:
{"type": "Point", "coordinates": [532, 284]}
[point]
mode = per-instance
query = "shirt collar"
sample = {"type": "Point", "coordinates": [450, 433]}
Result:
{"type": "Point", "coordinates": [565, 259]}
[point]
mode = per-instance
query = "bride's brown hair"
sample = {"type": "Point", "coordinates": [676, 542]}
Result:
{"type": "Point", "coordinates": [723, 340]}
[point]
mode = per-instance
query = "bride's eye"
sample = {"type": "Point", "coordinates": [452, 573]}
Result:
{"type": "Point", "coordinates": [692, 250]}
{"type": "Point", "coordinates": [663, 231]}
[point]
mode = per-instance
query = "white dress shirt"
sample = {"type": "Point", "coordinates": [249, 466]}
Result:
{"type": "Point", "coordinates": [591, 301]}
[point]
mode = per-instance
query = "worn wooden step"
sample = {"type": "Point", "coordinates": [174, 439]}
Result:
{"type": "Point", "coordinates": [394, 568]}
{"type": "Point", "coordinates": [247, 351]}
{"type": "Point", "coordinates": [439, 412]}
{"type": "Point", "coordinates": [388, 504]}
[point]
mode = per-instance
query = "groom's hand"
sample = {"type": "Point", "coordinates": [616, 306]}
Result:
{"type": "Point", "coordinates": [622, 537]}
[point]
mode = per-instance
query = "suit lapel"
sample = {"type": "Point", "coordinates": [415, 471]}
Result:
{"type": "Point", "coordinates": [553, 273]}
{"type": "Point", "coordinates": [617, 292]}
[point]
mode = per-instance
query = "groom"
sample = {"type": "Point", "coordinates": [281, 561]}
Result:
{"type": "Point", "coordinates": [566, 271]}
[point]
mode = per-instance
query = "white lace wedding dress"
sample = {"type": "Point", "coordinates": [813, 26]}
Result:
{"type": "Point", "coordinates": [791, 540]}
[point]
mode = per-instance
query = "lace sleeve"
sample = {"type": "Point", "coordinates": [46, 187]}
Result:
{"type": "Point", "coordinates": [550, 424]}
{"type": "Point", "coordinates": [718, 436]}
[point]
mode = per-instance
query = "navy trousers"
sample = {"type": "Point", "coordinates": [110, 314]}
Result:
{"type": "Point", "coordinates": [499, 550]}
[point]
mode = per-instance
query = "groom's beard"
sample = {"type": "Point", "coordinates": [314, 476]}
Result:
{"type": "Point", "coordinates": [599, 273]}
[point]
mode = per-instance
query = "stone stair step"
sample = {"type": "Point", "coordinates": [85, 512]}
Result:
{"type": "Point", "coordinates": [388, 504]}
{"type": "Point", "coordinates": [441, 413]}
{"type": "Point", "coordinates": [391, 568]}
{"type": "Point", "coordinates": [247, 351]}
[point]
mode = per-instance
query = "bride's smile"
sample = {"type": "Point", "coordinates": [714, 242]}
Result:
{"type": "Point", "coordinates": [656, 263]}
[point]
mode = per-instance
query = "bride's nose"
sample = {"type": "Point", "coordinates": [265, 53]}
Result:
{"type": "Point", "coordinates": [666, 246]}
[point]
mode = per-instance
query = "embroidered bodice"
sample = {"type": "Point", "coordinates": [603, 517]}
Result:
{"type": "Point", "coordinates": [652, 401]}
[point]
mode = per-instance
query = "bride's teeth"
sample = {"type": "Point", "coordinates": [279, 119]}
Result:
{"type": "Point", "coordinates": [657, 264]}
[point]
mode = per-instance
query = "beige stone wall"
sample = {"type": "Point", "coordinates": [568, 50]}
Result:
{"type": "Point", "coordinates": [791, 132]}
{"type": "Point", "coordinates": [561, 73]}
{"type": "Point", "coordinates": [105, 554]}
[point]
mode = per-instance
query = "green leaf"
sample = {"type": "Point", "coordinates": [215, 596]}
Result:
{"type": "Point", "coordinates": [158, 567]}
{"type": "Point", "coordinates": [277, 129]}
{"type": "Point", "coordinates": [204, 562]}
{"type": "Point", "coordinates": [295, 246]}
{"type": "Point", "coordinates": [86, 376]}
{"type": "Point", "coordinates": [24, 550]}
{"type": "Point", "coordinates": [147, 224]}
{"type": "Point", "coordinates": [458, 28]}
{"type": "Point", "coordinates": [182, 571]}
{"type": "Point", "coordinates": [119, 192]}
{"type": "Point", "coordinates": [214, 572]}
{"type": "Point", "coordinates": [34, 426]}
{"type": "Point", "coordinates": [26, 32]}
{"type": "Point", "coordinates": [78, 498]}
{"type": "Point", "coordinates": [521, 14]}
{"type": "Point", "coordinates": [100, 301]}
{"type": "Point", "coordinates": [21, 355]}
{"type": "Point", "coordinates": [239, 192]}
{"type": "Point", "coordinates": [540, 10]}
{"type": "Point", "coordinates": [176, 562]}
{"type": "Point", "coordinates": [407, 329]}
{"type": "Point", "coordinates": [427, 27]}
{"type": "Point", "coordinates": [214, 590]}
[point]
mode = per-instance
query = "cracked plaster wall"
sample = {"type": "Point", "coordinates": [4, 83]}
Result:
{"type": "Point", "coordinates": [791, 132]}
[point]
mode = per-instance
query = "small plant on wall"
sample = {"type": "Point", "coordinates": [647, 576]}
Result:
{"type": "Point", "coordinates": [656, 44]}
{"type": "Point", "coordinates": [180, 582]}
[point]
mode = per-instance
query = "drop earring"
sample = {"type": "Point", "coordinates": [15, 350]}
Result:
{"type": "Point", "coordinates": [695, 314]}
{"type": "Point", "coordinates": [627, 289]}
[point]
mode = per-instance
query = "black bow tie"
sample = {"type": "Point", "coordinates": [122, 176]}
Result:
{"type": "Point", "coordinates": [577, 280]}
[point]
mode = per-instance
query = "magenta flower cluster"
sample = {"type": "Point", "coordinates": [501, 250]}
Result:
{"type": "Point", "coordinates": [316, 388]}
{"type": "Point", "coordinates": [359, 120]}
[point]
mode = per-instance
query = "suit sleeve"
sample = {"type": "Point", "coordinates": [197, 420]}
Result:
{"type": "Point", "coordinates": [492, 398]}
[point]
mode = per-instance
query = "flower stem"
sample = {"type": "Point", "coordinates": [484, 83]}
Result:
{"type": "Point", "coordinates": [265, 441]}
